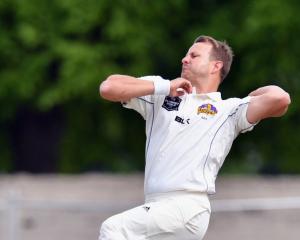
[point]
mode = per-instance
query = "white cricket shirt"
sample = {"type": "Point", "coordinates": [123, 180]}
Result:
{"type": "Point", "coordinates": [188, 138]}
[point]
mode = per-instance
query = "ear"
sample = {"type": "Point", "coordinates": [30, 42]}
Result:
{"type": "Point", "coordinates": [217, 66]}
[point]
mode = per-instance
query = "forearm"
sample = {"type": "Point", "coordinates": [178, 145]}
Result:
{"type": "Point", "coordinates": [122, 88]}
{"type": "Point", "coordinates": [271, 89]}
{"type": "Point", "coordinates": [277, 102]}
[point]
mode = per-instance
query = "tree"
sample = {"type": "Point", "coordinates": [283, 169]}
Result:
{"type": "Point", "coordinates": [56, 53]}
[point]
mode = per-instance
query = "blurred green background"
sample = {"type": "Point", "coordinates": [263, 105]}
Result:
{"type": "Point", "coordinates": [54, 55]}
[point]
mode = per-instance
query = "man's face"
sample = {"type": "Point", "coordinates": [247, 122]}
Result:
{"type": "Point", "coordinates": [196, 63]}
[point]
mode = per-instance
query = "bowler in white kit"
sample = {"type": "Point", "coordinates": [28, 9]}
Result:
{"type": "Point", "coordinates": [190, 130]}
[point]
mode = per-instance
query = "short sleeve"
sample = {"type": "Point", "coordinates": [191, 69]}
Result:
{"type": "Point", "coordinates": [144, 103]}
{"type": "Point", "coordinates": [242, 123]}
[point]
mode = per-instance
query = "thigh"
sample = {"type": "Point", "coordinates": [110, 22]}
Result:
{"type": "Point", "coordinates": [133, 223]}
{"type": "Point", "coordinates": [198, 225]}
{"type": "Point", "coordinates": [177, 218]}
{"type": "Point", "coordinates": [128, 225]}
{"type": "Point", "coordinates": [164, 219]}
{"type": "Point", "coordinates": [159, 220]}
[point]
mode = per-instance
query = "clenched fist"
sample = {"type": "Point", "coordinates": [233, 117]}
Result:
{"type": "Point", "coordinates": [179, 87]}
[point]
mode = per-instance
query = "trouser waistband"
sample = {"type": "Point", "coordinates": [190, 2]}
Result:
{"type": "Point", "coordinates": [160, 196]}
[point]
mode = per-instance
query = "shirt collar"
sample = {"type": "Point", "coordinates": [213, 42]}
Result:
{"type": "Point", "coordinates": [215, 96]}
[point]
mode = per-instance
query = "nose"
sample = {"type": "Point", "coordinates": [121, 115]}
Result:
{"type": "Point", "coordinates": [185, 60]}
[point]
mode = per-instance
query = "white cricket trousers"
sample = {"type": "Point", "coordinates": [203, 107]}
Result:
{"type": "Point", "coordinates": [176, 215]}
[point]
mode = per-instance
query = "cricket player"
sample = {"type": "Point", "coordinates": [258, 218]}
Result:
{"type": "Point", "coordinates": [190, 130]}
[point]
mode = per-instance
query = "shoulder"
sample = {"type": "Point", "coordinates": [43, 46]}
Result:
{"type": "Point", "coordinates": [232, 105]}
{"type": "Point", "coordinates": [236, 101]}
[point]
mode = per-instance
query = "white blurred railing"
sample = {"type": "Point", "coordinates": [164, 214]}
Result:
{"type": "Point", "coordinates": [13, 204]}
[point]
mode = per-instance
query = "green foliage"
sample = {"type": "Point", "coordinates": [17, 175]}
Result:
{"type": "Point", "coordinates": [56, 53]}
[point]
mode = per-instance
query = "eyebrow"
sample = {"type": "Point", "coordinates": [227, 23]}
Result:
{"type": "Point", "coordinates": [193, 53]}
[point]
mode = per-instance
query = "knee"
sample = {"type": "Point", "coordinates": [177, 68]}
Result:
{"type": "Point", "coordinates": [109, 225]}
{"type": "Point", "coordinates": [109, 229]}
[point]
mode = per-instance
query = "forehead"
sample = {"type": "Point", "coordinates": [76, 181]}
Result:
{"type": "Point", "coordinates": [201, 47]}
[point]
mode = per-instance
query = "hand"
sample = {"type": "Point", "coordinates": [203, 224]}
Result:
{"type": "Point", "coordinates": [179, 87]}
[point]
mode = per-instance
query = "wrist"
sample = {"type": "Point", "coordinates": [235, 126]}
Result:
{"type": "Point", "coordinates": [162, 87]}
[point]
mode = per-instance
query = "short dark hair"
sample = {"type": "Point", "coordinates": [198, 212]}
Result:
{"type": "Point", "coordinates": [220, 51]}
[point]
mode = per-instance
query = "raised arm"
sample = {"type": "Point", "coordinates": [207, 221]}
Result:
{"type": "Point", "coordinates": [268, 101]}
{"type": "Point", "coordinates": [122, 87]}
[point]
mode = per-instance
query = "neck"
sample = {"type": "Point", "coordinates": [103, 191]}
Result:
{"type": "Point", "coordinates": [206, 86]}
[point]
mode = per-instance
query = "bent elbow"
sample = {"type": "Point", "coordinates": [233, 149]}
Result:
{"type": "Point", "coordinates": [283, 103]}
{"type": "Point", "coordinates": [285, 100]}
{"type": "Point", "coordinates": [106, 88]}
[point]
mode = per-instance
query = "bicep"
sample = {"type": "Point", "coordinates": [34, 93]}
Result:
{"type": "Point", "coordinates": [256, 111]}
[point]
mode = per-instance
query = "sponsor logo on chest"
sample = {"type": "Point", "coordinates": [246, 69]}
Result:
{"type": "Point", "coordinates": [182, 120]}
{"type": "Point", "coordinates": [171, 103]}
{"type": "Point", "coordinates": [207, 109]}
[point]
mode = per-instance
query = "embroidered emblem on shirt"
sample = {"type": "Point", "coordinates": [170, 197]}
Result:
{"type": "Point", "coordinates": [171, 103]}
{"type": "Point", "coordinates": [207, 109]}
{"type": "Point", "coordinates": [181, 120]}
